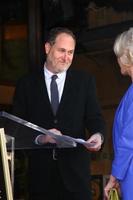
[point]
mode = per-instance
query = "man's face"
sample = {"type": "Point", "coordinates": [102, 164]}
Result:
{"type": "Point", "coordinates": [60, 54]}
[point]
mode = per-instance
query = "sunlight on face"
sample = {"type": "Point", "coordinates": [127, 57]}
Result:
{"type": "Point", "coordinates": [60, 54]}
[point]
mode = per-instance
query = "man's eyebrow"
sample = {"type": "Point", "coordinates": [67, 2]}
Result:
{"type": "Point", "coordinates": [71, 50]}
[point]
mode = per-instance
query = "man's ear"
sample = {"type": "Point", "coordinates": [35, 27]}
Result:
{"type": "Point", "coordinates": [47, 47]}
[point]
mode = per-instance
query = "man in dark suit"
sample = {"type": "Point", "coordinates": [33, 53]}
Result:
{"type": "Point", "coordinates": [60, 173]}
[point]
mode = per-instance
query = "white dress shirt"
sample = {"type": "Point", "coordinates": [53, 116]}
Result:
{"type": "Point", "coordinates": [60, 81]}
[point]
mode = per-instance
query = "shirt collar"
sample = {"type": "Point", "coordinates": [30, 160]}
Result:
{"type": "Point", "coordinates": [48, 74]}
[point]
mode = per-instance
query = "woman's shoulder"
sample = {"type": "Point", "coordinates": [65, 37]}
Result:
{"type": "Point", "coordinates": [129, 92]}
{"type": "Point", "coordinates": [128, 97]}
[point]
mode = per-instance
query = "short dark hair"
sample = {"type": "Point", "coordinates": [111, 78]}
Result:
{"type": "Point", "coordinates": [54, 32]}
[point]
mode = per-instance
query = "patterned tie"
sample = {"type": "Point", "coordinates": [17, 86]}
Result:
{"type": "Point", "coordinates": [54, 94]}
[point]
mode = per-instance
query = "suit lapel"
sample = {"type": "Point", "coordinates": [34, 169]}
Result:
{"type": "Point", "coordinates": [67, 91]}
{"type": "Point", "coordinates": [43, 89]}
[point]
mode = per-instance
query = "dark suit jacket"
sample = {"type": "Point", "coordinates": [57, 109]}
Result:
{"type": "Point", "coordinates": [78, 110]}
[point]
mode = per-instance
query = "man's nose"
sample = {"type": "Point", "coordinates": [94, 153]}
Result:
{"type": "Point", "coordinates": [65, 56]}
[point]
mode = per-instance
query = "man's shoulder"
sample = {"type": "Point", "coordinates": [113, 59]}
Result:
{"type": "Point", "coordinates": [31, 76]}
{"type": "Point", "coordinates": [80, 74]}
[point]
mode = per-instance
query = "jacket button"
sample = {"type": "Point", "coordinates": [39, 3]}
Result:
{"type": "Point", "coordinates": [55, 121]}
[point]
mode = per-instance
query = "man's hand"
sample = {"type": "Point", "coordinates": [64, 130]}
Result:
{"type": "Point", "coordinates": [94, 142]}
{"type": "Point", "coordinates": [44, 139]}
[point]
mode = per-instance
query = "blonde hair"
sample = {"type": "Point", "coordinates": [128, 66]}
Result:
{"type": "Point", "coordinates": [123, 47]}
